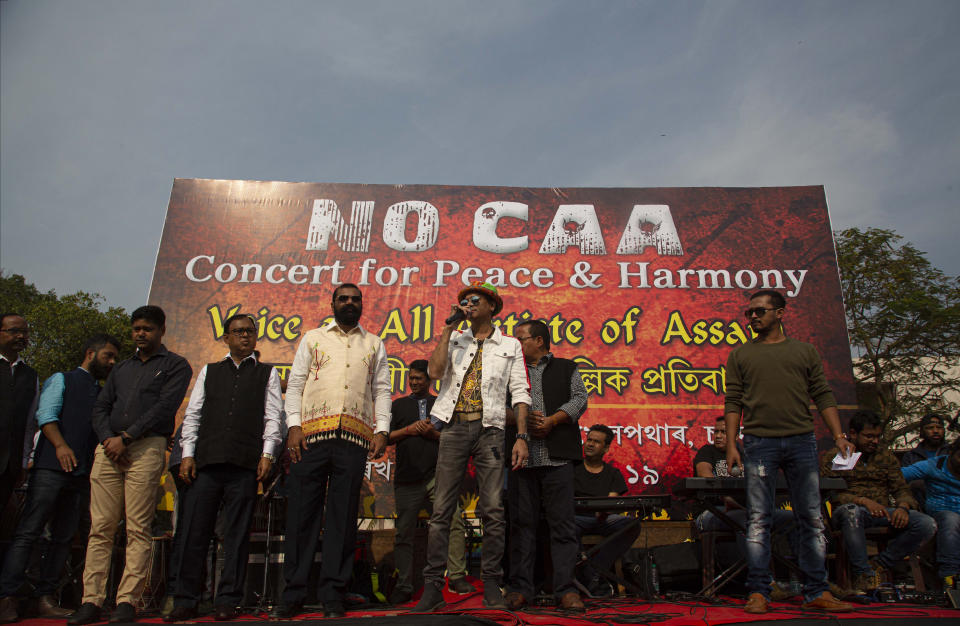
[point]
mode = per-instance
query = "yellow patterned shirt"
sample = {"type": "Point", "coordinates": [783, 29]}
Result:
{"type": "Point", "coordinates": [339, 385]}
{"type": "Point", "coordinates": [471, 400]}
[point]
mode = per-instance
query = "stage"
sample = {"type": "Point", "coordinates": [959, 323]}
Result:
{"type": "Point", "coordinates": [469, 610]}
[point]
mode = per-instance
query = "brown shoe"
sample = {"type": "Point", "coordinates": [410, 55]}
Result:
{"type": "Point", "coordinates": [826, 602]}
{"type": "Point", "coordinates": [47, 607]}
{"type": "Point", "coordinates": [756, 603]}
{"type": "Point", "coordinates": [8, 610]}
{"type": "Point", "coordinates": [516, 601]}
{"type": "Point", "coordinates": [571, 602]}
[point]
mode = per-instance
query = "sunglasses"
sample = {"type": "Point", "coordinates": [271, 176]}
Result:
{"type": "Point", "coordinates": [758, 311]}
{"type": "Point", "coordinates": [345, 299]}
{"type": "Point", "coordinates": [471, 300]}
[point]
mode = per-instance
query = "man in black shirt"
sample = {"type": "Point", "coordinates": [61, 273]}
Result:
{"type": "Point", "coordinates": [594, 478]}
{"type": "Point", "coordinates": [133, 417]}
{"type": "Point", "coordinates": [414, 484]}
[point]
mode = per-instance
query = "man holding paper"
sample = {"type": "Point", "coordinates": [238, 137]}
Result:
{"type": "Point", "coordinates": [770, 382]}
{"type": "Point", "coordinates": [872, 484]}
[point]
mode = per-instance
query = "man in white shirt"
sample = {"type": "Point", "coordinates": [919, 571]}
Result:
{"type": "Point", "coordinates": [476, 369]}
{"type": "Point", "coordinates": [230, 438]}
{"type": "Point", "coordinates": [338, 410]}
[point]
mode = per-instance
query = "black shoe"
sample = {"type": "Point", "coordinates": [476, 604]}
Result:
{"type": "Point", "coordinates": [9, 610]}
{"type": "Point", "coordinates": [334, 609]}
{"type": "Point", "coordinates": [460, 586]}
{"type": "Point", "coordinates": [286, 611]}
{"type": "Point", "coordinates": [493, 597]}
{"type": "Point", "coordinates": [180, 614]}
{"type": "Point", "coordinates": [88, 613]}
{"type": "Point", "coordinates": [431, 600]}
{"type": "Point", "coordinates": [123, 614]}
{"type": "Point", "coordinates": [223, 613]}
{"type": "Point", "coordinates": [400, 597]}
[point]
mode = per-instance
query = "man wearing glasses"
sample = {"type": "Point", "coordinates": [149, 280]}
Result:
{"type": "Point", "coordinates": [229, 439]}
{"type": "Point", "coordinates": [770, 381]}
{"type": "Point", "coordinates": [544, 486]}
{"type": "Point", "coordinates": [476, 369]}
{"type": "Point", "coordinates": [338, 410]}
{"type": "Point", "coordinates": [872, 485]}
{"type": "Point", "coordinates": [18, 394]}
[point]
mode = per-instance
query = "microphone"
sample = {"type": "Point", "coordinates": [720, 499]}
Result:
{"type": "Point", "coordinates": [456, 317]}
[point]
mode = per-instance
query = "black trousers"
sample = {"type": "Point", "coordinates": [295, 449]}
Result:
{"type": "Point", "coordinates": [236, 488]}
{"type": "Point", "coordinates": [547, 491]}
{"type": "Point", "coordinates": [323, 493]}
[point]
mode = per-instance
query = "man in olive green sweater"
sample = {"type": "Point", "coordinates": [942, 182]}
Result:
{"type": "Point", "coordinates": [770, 382]}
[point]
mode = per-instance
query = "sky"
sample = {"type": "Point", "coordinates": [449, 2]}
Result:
{"type": "Point", "coordinates": [103, 103]}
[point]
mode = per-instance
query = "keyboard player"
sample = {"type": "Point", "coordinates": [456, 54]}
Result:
{"type": "Point", "coordinates": [711, 461]}
{"type": "Point", "coordinates": [595, 478]}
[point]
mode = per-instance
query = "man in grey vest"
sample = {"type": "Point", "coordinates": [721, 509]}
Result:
{"type": "Point", "coordinates": [230, 436]}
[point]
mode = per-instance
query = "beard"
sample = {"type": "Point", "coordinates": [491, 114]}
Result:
{"type": "Point", "coordinates": [348, 315]}
{"type": "Point", "coordinates": [99, 371]}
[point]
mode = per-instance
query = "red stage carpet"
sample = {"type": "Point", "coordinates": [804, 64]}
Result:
{"type": "Point", "coordinates": [467, 610]}
{"type": "Point", "coordinates": [617, 611]}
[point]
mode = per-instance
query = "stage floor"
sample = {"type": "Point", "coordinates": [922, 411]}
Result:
{"type": "Point", "coordinates": [468, 610]}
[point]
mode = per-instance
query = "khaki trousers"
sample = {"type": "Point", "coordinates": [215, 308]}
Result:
{"type": "Point", "coordinates": [128, 492]}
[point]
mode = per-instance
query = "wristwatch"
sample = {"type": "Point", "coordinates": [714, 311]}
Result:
{"type": "Point", "coordinates": [268, 456]}
{"type": "Point", "coordinates": [524, 437]}
{"type": "Point", "coordinates": [126, 439]}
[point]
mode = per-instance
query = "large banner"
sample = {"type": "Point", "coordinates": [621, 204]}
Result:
{"type": "Point", "coordinates": [645, 288]}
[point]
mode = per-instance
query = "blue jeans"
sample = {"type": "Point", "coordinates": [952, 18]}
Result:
{"type": "Point", "coordinates": [948, 542]}
{"type": "Point", "coordinates": [854, 519]}
{"type": "Point", "coordinates": [52, 496]}
{"type": "Point", "coordinates": [796, 456]}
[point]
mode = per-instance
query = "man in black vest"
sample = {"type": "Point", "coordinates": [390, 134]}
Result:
{"type": "Point", "coordinates": [231, 432]}
{"type": "Point", "coordinates": [60, 476]}
{"type": "Point", "coordinates": [133, 417]}
{"type": "Point", "coordinates": [18, 401]}
{"type": "Point", "coordinates": [545, 483]}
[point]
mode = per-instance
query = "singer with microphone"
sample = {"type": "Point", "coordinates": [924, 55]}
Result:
{"type": "Point", "coordinates": [477, 367]}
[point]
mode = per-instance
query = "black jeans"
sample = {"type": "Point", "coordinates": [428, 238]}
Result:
{"type": "Point", "coordinates": [547, 491]}
{"type": "Point", "coordinates": [52, 496]}
{"type": "Point", "coordinates": [236, 488]}
{"type": "Point", "coordinates": [323, 493]}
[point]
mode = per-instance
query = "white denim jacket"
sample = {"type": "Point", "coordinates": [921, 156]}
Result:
{"type": "Point", "coordinates": [503, 370]}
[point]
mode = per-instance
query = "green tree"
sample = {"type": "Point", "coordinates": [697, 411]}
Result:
{"type": "Point", "coordinates": [59, 326]}
{"type": "Point", "coordinates": [903, 319]}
